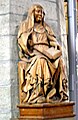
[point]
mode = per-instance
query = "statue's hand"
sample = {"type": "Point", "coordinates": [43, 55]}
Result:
{"type": "Point", "coordinates": [59, 47]}
{"type": "Point", "coordinates": [54, 45]}
{"type": "Point", "coordinates": [30, 42]}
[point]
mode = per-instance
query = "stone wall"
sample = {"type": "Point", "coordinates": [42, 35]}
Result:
{"type": "Point", "coordinates": [5, 67]}
{"type": "Point", "coordinates": [11, 14]}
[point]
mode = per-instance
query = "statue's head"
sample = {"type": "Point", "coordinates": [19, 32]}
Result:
{"type": "Point", "coordinates": [36, 13]}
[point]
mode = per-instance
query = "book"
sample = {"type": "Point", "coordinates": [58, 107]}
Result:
{"type": "Point", "coordinates": [52, 53]}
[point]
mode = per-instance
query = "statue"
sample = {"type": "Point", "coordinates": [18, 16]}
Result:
{"type": "Point", "coordinates": [41, 69]}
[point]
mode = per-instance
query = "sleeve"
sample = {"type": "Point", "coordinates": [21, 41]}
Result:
{"type": "Point", "coordinates": [22, 41]}
{"type": "Point", "coordinates": [52, 38]}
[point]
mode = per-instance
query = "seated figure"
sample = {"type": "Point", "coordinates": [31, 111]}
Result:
{"type": "Point", "coordinates": [42, 77]}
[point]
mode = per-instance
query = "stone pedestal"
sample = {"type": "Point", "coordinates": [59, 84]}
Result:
{"type": "Point", "coordinates": [47, 111]}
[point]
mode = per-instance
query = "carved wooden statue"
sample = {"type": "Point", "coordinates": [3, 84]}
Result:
{"type": "Point", "coordinates": [42, 76]}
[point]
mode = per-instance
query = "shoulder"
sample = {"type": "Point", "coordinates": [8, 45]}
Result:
{"type": "Point", "coordinates": [23, 28]}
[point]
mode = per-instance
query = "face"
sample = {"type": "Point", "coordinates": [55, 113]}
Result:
{"type": "Point", "coordinates": [38, 14]}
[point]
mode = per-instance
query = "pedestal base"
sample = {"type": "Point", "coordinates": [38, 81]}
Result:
{"type": "Point", "coordinates": [46, 111]}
